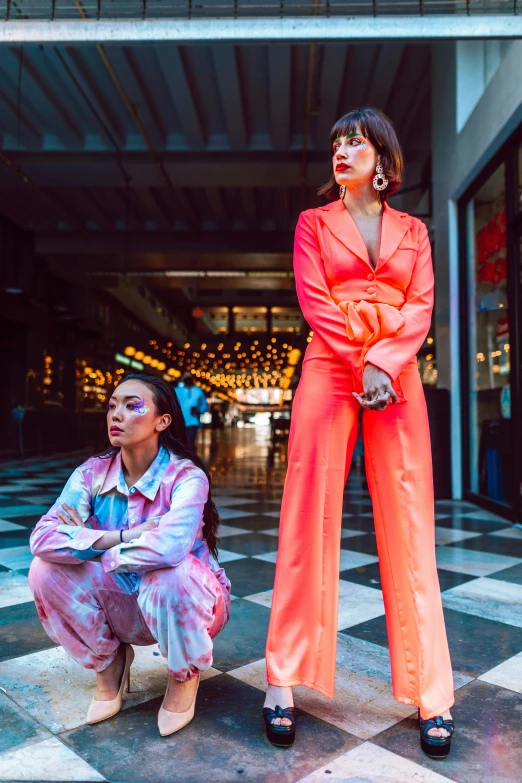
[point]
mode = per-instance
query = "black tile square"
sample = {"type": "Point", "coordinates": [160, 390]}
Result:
{"type": "Point", "coordinates": [476, 644]}
{"type": "Point", "coordinates": [11, 501]}
{"type": "Point", "coordinates": [243, 639]}
{"type": "Point", "coordinates": [513, 575]}
{"type": "Point", "coordinates": [17, 727]}
{"type": "Point", "coordinates": [252, 522]}
{"type": "Point", "coordinates": [486, 747]}
{"type": "Point", "coordinates": [225, 742]}
{"type": "Point", "coordinates": [364, 524]}
{"type": "Point", "coordinates": [250, 544]}
{"type": "Point", "coordinates": [368, 575]}
{"type": "Point", "coordinates": [496, 544]}
{"type": "Point", "coordinates": [26, 521]}
{"type": "Point", "coordinates": [250, 576]}
{"type": "Point", "coordinates": [366, 543]}
{"type": "Point", "coordinates": [13, 538]}
{"type": "Point", "coordinates": [21, 631]}
{"type": "Point", "coordinates": [458, 522]}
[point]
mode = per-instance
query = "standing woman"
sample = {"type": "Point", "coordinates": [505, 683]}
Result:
{"type": "Point", "coordinates": [127, 555]}
{"type": "Point", "coordinates": [364, 280]}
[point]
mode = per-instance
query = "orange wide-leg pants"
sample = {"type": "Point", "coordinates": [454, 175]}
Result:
{"type": "Point", "coordinates": [302, 637]}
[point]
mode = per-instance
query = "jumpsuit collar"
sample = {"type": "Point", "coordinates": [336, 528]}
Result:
{"type": "Point", "coordinates": [341, 224]}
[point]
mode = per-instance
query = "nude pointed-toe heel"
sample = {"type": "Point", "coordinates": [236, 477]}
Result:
{"type": "Point", "coordinates": [169, 722]}
{"type": "Point", "coordinates": [101, 710]}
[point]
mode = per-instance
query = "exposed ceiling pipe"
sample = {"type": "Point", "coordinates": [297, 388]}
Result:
{"type": "Point", "coordinates": [309, 111]}
{"type": "Point", "coordinates": [132, 111]}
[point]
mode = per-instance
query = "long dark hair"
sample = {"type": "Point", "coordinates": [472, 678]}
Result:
{"type": "Point", "coordinates": [378, 128]}
{"type": "Point", "coordinates": [175, 439]}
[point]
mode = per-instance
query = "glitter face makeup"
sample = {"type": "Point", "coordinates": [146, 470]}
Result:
{"type": "Point", "coordinates": [361, 146]}
{"type": "Point", "coordinates": [139, 408]}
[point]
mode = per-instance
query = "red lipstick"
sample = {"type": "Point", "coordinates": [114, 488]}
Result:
{"type": "Point", "coordinates": [115, 430]}
{"type": "Point", "coordinates": [342, 167]}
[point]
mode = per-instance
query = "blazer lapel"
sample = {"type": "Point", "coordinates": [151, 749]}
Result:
{"type": "Point", "coordinates": [394, 227]}
{"type": "Point", "coordinates": [341, 224]}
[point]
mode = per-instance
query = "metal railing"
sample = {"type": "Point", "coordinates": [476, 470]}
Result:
{"type": "Point", "coordinates": [49, 10]}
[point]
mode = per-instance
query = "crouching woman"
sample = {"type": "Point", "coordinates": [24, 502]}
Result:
{"type": "Point", "coordinates": [127, 555]}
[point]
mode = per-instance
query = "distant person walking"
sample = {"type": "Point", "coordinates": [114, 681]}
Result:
{"type": "Point", "coordinates": [193, 403]}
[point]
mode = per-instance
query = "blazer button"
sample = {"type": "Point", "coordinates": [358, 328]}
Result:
{"type": "Point", "coordinates": [371, 276]}
{"type": "Point", "coordinates": [371, 289]}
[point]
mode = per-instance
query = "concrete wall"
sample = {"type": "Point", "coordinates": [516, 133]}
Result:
{"type": "Point", "coordinates": [492, 97]}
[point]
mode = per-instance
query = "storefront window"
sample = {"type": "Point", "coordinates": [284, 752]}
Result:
{"type": "Point", "coordinates": [491, 444]}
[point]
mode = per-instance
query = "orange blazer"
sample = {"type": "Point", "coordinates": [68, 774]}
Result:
{"type": "Point", "coordinates": [363, 315]}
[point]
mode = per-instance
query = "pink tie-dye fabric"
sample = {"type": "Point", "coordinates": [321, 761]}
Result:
{"type": "Point", "coordinates": [164, 586]}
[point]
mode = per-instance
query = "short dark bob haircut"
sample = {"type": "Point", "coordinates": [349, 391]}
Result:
{"type": "Point", "coordinates": [378, 128]}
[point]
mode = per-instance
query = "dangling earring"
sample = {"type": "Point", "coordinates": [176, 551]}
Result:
{"type": "Point", "coordinates": [379, 181]}
{"type": "Point", "coordinates": [342, 191]}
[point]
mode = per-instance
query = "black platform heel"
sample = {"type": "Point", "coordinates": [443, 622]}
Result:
{"type": "Point", "coordinates": [281, 736]}
{"type": "Point", "coordinates": [435, 747]}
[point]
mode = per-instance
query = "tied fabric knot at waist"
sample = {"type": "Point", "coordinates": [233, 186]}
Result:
{"type": "Point", "coordinates": [366, 324]}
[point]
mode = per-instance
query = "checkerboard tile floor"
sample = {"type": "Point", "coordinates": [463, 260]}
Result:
{"type": "Point", "coordinates": [362, 735]}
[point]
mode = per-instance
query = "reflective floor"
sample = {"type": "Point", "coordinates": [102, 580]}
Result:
{"type": "Point", "coordinates": [362, 736]}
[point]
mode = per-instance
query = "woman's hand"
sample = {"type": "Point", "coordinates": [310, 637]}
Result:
{"type": "Point", "coordinates": [70, 516]}
{"type": "Point", "coordinates": [378, 390]}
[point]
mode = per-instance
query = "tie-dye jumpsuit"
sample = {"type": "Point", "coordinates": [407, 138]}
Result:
{"type": "Point", "coordinates": [162, 587]}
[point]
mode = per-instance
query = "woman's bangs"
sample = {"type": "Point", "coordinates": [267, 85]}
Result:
{"type": "Point", "coordinates": [350, 123]}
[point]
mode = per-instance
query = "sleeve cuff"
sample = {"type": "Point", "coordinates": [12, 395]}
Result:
{"type": "Point", "coordinates": [87, 554]}
{"type": "Point", "coordinates": [81, 538]}
{"type": "Point", "coordinates": [111, 560]}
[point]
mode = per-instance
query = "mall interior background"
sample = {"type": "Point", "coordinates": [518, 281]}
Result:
{"type": "Point", "coordinates": [148, 196]}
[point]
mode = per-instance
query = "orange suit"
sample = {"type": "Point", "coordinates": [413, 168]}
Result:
{"type": "Point", "coordinates": [360, 314]}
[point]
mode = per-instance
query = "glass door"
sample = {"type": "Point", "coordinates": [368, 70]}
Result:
{"type": "Point", "coordinates": [491, 443]}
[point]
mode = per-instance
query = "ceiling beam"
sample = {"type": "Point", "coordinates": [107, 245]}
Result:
{"type": "Point", "coordinates": [332, 76]}
{"type": "Point", "coordinates": [286, 28]}
{"type": "Point", "coordinates": [227, 76]}
{"type": "Point", "coordinates": [173, 69]}
{"type": "Point", "coordinates": [217, 244]}
{"type": "Point", "coordinates": [279, 81]}
{"type": "Point", "coordinates": [102, 171]}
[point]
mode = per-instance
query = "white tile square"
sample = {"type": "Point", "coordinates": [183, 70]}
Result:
{"type": "Point", "coordinates": [270, 557]}
{"type": "Point", "coordinates": [492, 599]}
{"type": "Point", "coordinates": [274, 514]}
{"type": "Point", "coordinates": [272, 531]}
{"type": "Point", "coordinates": [8, 527]}
{"type": "Point", "coordinates": [347, 533]}
{"type": "Point", "coordinates": [468, 561]}
{"type": "Point", "coordinates": [449, 535]}
{"type": "Point", "coordinates": [231, 513]}
{"type": "Point", "coordinates": [351, 559]}
{"type": "Point", "coordinates": [508, 532]}
{"type": "Point", "coordinates": [16, 557]}
{"type": "Point", "coordinates": [229, 530]}
{"type": "Point", "coordinates": [263, 599]}
{"type": "Point", "coordinates": [369, 763]}
{"type": "Point", "coordinates": [56, 691]}
{"type": "Point", "coordinates": [224, 556]}
{"type": "Point", "coordinates": [46, 760]}
{"type": "Point", "coordinates": [506, 675]}
{"type": "Point", "coordinates": [14, 589]}
{"type": "Point", "coordinates": [358, 604]}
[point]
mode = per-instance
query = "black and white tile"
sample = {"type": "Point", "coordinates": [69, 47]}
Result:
{"type": "Point", "coordinates": [363, 734]}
